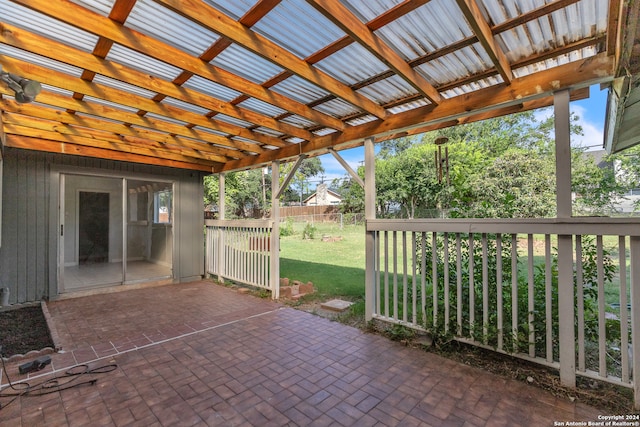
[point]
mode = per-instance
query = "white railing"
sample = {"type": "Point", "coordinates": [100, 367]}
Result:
{"type": "Point", "coordinates": [240, 250]}
{"type": "Point", "coordinates": [507, 285]}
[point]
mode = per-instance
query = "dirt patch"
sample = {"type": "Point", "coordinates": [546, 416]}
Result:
{"type": "Point", "coordinates": [23, 330]}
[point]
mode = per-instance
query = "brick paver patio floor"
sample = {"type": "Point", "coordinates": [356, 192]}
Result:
{"type": "Point", "coordinates": [202, 354]}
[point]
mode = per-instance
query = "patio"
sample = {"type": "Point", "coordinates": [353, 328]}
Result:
{"type": "Point", "coordinates": [202, 354]}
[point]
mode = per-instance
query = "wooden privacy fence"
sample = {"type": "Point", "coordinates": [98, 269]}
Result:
{"type": "Point", "coordinates": [240, 251]}
{"type": "Point", "coordinates": [562, 293]}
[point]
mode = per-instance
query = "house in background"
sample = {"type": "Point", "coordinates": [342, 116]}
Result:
{"type": "Point", "coordinates": [323, 197]}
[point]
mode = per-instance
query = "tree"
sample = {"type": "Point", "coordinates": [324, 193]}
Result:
{"type": "Point", "coordinates": [243, 193]}
{"type": "Point", "coordinates": [299, 189]}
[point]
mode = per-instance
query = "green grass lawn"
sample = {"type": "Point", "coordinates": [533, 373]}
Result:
{"type": "Point", "coordinates": [336, 268]}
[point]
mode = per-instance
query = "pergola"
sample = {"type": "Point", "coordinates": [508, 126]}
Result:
{"type": "Point", "coordinates": [225, 85]}
{"type": "Point", "coordinates": [219, 86]}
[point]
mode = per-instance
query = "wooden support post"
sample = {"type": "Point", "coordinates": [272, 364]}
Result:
{"type": "Point", "coordinates": [566, 311]}
{"type": "Point", "coordinates": [275, 231]}
{"type": "Point", "coordinates": [370, 213]}
{"type": "Point", "coordinates": [221, 216]}
{"type": "Point", "coordinates": [634, 256]}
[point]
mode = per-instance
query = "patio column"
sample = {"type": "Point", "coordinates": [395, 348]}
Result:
{"type": "Point", "coordinates": [634, 247]}
{"type": "Point", "coordinates": [275, 230]}
{"type": "Point", "coordinates": [370, 241]}
{"type": "Point", "coordinates": [221, 215]}
{"type": "Point", "coordinates": [566, 310]}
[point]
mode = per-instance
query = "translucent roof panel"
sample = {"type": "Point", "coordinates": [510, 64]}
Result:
{"type": "Point", "coordinates": [116, 84]}
{"type": "Point", "coordinates": [102, 7]}
{"type": "Point", "coordinates": [417, 33]}
{"type": "Point", "coordinates": [370, 9]}
{"type": "Point", "coordinates": [575, 55]}
{"type": "Point", "coordinates": [408, 106]}
{"type": "Point", "coordinates": [166, 119]}
{"type": "Point", "coordinates": [338, 108]}
{"type": "Point", "coordinates": [115, 105]}
{"type": "Point", "coordinates": [472, 87]}
{"type": "Point", "coordinates": [149, 18]}
{"type": "Point", "coordinates": [211, 131]}
{"type": "Point", "coordinates": [38, 23]}
{"type": "Point", "coordinates": [459, 64]}
{"type": "Point", "coordinates": [294, 25]}
{"type": "Point", "coordinates": [300, 90]}
{"type": "Point", "coordinates": [248, 65]}
{"type": "Point", "coordinates": [232, 120]}
{"type": "Point", "coordinates": [267, 131]}
{"type": "Point", "coordinates": [233, 8]}
{"type": "Point", "coordinates": [143, 63]}
{"type": "Point", "coordinates": [185, 106]}
{"type": "Point", "coordinates": [388, 90]}
{"type": "Point", "coordinates": [298, 121]}
{"type": "Point", "coordinates": [211, 88]}
{"type": "Point", "coordinates": [262, 107]}
{"type": "Point", "coordinates": [39, 60]}
{"type": "Point", "coordinates": [352, 64]}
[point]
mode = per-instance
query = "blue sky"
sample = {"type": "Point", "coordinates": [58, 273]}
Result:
{"type": "Point", "coordinates": [591, 112]}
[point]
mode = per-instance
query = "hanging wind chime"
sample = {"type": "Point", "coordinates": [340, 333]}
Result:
{"type": "Point", "coordinates": [442, 163]}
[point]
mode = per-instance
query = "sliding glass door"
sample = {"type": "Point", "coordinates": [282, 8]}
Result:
{"type": "Point", "coordinates": [114, 231]}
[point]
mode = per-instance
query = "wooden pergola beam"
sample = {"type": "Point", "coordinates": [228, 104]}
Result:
{"type": "Point", "coordinates": [350, 24]}
{"type": "Point", "coordinates": [94, 23]}
{"type": "Point", "coordinates": [220, 23]}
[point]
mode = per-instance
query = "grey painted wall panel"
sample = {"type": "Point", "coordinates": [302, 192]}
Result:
{"type": "Point", "coordinates": [29, 252]}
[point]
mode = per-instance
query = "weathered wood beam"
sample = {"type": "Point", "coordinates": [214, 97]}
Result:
{"type": "Point", "coordinates": [573, 75]}
{"type": "Point", "coordinates": [482, 30]}
{"type": "Point", "coordinates": [99, 25]}
{"type": "Point", "coordinates": [65, 81]}
{"type": "Point", "coordinates": [220, 23]}
{"type": "Point", "coordinates": [28, 143]}
{"type": "Point", "coordinates": [350, 24]}
{"type": "Point", "coordinates": [108, 142]}
{"type": "Point", "coordinates": [64, 53]}
{"type": "Point", "coordinates": [164, 132]}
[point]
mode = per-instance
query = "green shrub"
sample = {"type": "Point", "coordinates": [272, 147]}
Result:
{"type": "Point", "coordinates": [286, 229]}
{"type": "Point", "coordinates": [309, 231]}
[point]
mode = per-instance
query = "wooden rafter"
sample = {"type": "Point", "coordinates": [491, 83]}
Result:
{"type": "Point", "coordinates": [233, 30]}
{"type": "Point", "coordinates": [577, 74]}
{"type": "Point", "coordinates": [340, 15]}
{"type": "Point", "coordinates": [482, 30]}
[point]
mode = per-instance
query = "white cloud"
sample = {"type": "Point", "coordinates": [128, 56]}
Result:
{"type": "Point", "coordinates": [593, 133]}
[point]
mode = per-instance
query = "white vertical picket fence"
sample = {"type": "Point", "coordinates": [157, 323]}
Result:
{"type": "Point", "coordinates": [240, 250]}
{"type": "Point", "coordinates": [495, 284]}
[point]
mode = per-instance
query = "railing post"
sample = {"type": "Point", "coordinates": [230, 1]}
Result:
{"type": "Point", "coordinates": [566, 310]}
{"type": "Point", "coordinates": [221, 209]}
{"type": "Point", "coordinates": [634, 257]}
{"type": "Point", "coordinates": [275, 230]}
{"type": "Point", "coordinates": [369, 213]}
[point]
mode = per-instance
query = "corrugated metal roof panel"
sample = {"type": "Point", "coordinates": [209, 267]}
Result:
{"type": "Point", "coordinates": [337, 108]}
{"type": "Point", "coordinates": [418, 33]}
{"type": "Point", "coordinates": [208, 130]}
{"type": "Point", "coordinates": [298, 121]}
{"type": "Point", "coordinates": [143, 63]}
{"type": "Point", "coordinates": [294, 140]}
{"type": "Point", "coordinates": [185, 105]}
{"type": "Point", "coordinates": [232, 120]}
{"type": "Point", "coordinates": [299, 89]}
{"type": "Point", "coordinates": [370, 9]}
{"type": "Point", "coordinates": [362, 120]}
{"type": "Point", "coordinates": [456, 65]}
{"type": "Point", "coordinates": [38, 23]}
{"type": "Point", "coordinates": [39, 60]}
{"type": "Point", "coordinates": [324, 131]}
{"type": "Point", "coordinates": [233, 8]}
{"type": "Point", "coordinates": [267, 131]}
{"type": "Point", "coordinates": [116, 84]}
{"type": "Point", "coordinates": [388, 90]}
{"type": "Point", "coordinates": [211, 88]}
{"type": "Point", "coordinates": [166, 119]}
{"type": "Point", "coordinates": [472, 87]}
{"type": "Point", "coordinates": [575, 55]}
{"type": "Point", "coordinates": [262, 107]}
{"type": "Point", "coordinates": [294, 24]}
{"type": "Point", "coordinates": [152, 19]}
{"type": "Point", "coordinates": [111, 104]}
{"type": "Point", "coordinates": [242, 62]}
{"type": "Point", "coordinates": [102, 7]}
{"type": "Point", "coordinates": [352, 64]}
{"type": "Point", "coordinates": [408, 106]}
